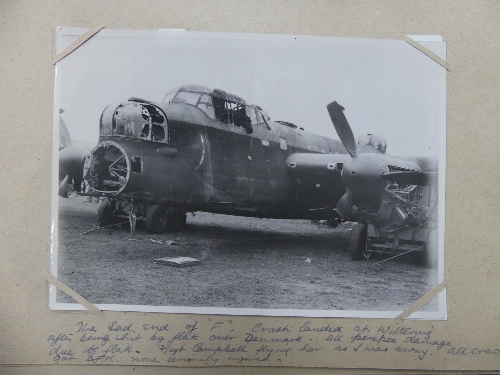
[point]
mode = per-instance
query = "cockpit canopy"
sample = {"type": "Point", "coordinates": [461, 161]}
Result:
{"type": "Point", "coordinates": [219, 105]}
{"type": "Point", "coordinates": [376, 141]}
{"type": "Point", "coordinates": [142, 119]}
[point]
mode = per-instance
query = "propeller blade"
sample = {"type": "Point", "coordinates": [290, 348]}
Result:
{"type": "Point", "coordinates": [412, 177]}
{"type": "Point", "coordinates": [335, 110]}
{"type": "Point", "coordinates": [63, 187]}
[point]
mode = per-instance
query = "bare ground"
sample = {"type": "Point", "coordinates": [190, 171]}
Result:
{"type": "Point", "coordinates": [245, 262]}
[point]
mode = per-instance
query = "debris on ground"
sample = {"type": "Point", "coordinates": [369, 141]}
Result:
{"type": "Point", "coordinates": [178, 261]}
{"type": "Point", "coordinates": [163, 242]}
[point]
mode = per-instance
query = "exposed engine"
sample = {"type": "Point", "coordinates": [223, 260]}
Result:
{"type": "Point", "coordinates": [412, 205]}
{"type": "Point", "coordinates": [399, 205]}
{"type": "Point", "coordinates": [107, 169]}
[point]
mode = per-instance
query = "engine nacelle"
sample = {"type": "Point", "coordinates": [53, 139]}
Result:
{"type": "Point", "coordinates": [376, 141]}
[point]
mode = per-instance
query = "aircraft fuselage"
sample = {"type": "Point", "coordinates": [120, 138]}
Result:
{"type": "Point", "coordinates": [206, 165]}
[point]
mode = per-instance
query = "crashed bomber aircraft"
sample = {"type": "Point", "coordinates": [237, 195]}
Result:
{"type": "Point", "coordinates": [208, 150]}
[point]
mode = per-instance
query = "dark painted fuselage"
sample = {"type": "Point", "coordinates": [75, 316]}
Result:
{"type": "Point", "coordinates": [202, 161]}
{"type": "Point", "coordinates": [220, 168]}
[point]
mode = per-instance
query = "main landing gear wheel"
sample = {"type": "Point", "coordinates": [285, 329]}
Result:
{"type": "Point", "coordinates": [161, 219]}
{"type": "Point", "coordinates": [105, 214]}
{"type": "Point", "coordinates": [357, 243]}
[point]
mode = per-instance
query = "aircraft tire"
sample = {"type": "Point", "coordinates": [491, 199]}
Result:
{"type": "Point", "coordinates": [105, 214]}
{"type": "Point", "coordinates": [156, 219]}
{"type": "Point", "coordinates": [357, 242]}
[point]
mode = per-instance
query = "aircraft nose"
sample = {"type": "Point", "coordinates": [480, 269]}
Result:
{"type": "Point", "coordinates": [107, 171]}
{"type": "Point", "coordinates": [362, 175]}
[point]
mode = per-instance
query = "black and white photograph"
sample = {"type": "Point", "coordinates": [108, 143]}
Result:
{"type": "Point", "coordinates": [249, 174]}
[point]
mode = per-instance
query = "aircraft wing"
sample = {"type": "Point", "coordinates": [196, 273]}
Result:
{"type": "Point", "coordinates": [428, 164]}
{"type": "Point", "coordinates": [308, 165]}
{"type": "Point", "coordinates": [420, 178]}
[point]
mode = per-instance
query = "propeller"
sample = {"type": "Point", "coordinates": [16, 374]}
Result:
{"type": "Point", "coordinates": [335, 110]}
{"type": "Point", "coordinates": [362, 173]}
{"type": "Point", "coordinates": [366, 175]}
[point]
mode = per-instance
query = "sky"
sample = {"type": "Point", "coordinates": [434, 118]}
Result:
{"type": "Point", "coordinates": [387, 87]}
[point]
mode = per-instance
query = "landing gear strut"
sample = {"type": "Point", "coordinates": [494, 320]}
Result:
{"type": "Point", "coordinates": [154, 218]}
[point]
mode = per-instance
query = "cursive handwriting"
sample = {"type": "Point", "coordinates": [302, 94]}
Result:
{"type": "Point", "coordinates": [219, 341]}
{"type": "Point", "coordinates": [59, 354]}
{"type": "Point", "coordinates": [259, 327]}
{"type": "Point", "coordinates": [59, 338]}
{"type": "Point", "coordinates": [306, 327]}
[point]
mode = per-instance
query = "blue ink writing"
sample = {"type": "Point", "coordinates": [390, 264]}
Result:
{"type": "Point", "coordinates": [61, 355]}
{"type": "Point", "coordinates": [60, 337]}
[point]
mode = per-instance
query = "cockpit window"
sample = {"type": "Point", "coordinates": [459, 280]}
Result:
{"type": "Point", "coordinates": [170, 95]}
{"type": "Point", "coordinates": [229, 112]}
{"type": "Point", "coordinates": [205, 104]}
{"type": "Point", "coordinates": [219, 105]}
{"type": "Point", "coordinates": [251, 114]}
{"type": "Point", "coordinates": [186, 97]}
{"type": "Point", "coordinates": [263, 117]}
{"type": "Point", "coordinates": [198, 99]}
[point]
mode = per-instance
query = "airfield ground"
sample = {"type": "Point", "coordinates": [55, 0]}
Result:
{"type": "Point", "coordinates": [245, 262]}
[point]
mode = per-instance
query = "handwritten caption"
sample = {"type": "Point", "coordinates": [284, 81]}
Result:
{"type": "Point", "coordinates": [214, 341]}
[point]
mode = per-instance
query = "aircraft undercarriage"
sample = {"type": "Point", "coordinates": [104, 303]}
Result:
{"type": "Point", "coordinates": [153, 218]}
{"type": "Point", "coordinates": [406, 222]}
{"type": "Point", "coordinates": [366, 240]}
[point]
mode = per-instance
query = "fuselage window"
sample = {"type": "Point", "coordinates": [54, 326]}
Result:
{"type": "Point", "coordinates": [283, 144]}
